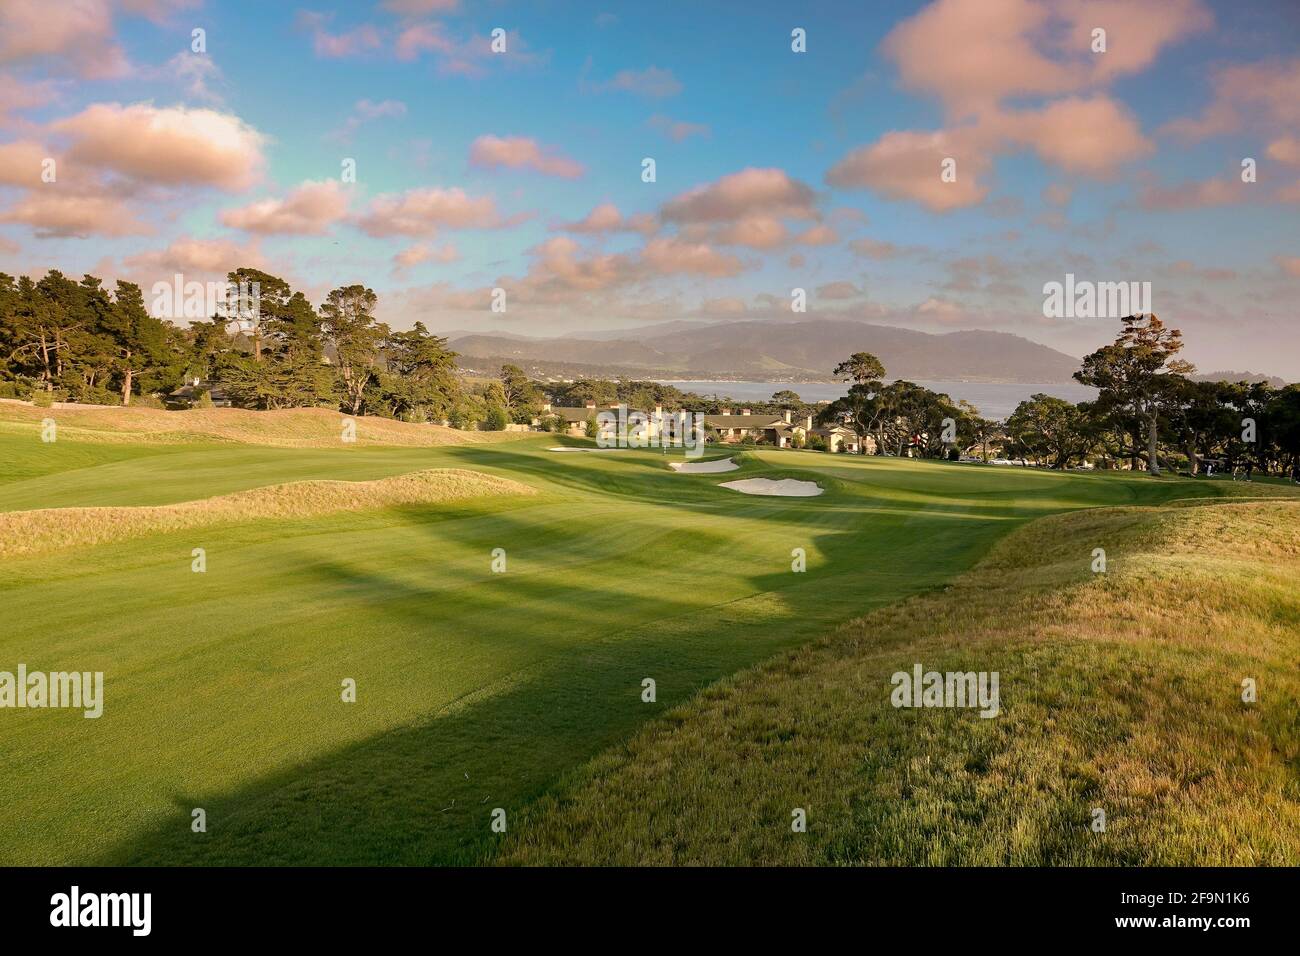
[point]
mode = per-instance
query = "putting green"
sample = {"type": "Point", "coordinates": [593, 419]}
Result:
{"type": "Point", "coordinates": [475, 689]}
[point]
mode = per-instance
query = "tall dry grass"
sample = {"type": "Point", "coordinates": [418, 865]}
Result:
{"type": "Point", "coordinates": [1120, 691]}
{"type": "Point", "coordinates": [289, 428]}
{"type": "Point", "coordinates": [24, 533]}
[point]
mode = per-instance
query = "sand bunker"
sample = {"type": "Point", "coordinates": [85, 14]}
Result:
{"type": "Point", "coordinates": [33, 532]}
{"type": "Point", "coordinates": [571, 448]}
{"type": "Point", "coordinates": [785, 488]}
{"type": "Point", "coordinates": [703, 467]}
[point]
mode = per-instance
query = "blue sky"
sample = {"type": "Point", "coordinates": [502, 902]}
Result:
{"type": "Point", "coordinates": [813, 170]}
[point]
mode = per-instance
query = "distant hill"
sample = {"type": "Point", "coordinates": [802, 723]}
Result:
{"type": "Point", "coordinates": [779, 351]}
{"type": "Point", "coordinates": [1251, 377]}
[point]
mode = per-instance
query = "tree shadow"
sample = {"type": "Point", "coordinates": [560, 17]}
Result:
{"type": "Point", "coordinates": [424, 793]}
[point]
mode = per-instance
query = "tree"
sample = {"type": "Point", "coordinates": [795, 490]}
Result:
{"type": "Point", "coordinates": [862, 408]}
{"type": "Point", "coordinates": [421, 381]}
{"type": "Point", "coordinates": [349, 327]}
{"type": "Point", "coordinates": [1048, 428]}
{"type": "Point", "coordinates": [141, 343]}
{"type": "Point", "coordinates": [520, 397]}
{"type": "Point", "coordinates": [861, 368]}
{"type": "Point", "coordinates": [1202, 416]}
{"type": "Point", "coordinates": [981, 430]}
{"type": "Point", "coordinates": [271, 301]}
{"type": "Point", "coordinates": [1136, 374]}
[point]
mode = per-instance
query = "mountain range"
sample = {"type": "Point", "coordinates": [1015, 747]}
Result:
{"type": "Point", "coordinates": [772, 351]}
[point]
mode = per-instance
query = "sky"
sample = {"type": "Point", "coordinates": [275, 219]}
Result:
{"type": "Point", "coordinates": [389, 144]}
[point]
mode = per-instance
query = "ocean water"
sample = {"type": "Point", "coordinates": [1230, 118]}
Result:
{"type": "Point", "coordinates": [993, 399]}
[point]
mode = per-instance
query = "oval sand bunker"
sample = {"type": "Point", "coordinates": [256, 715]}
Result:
{"type": "Point", "coordinates": [785, 488]}
{"type": "Point", "coordinates": [703, 467]}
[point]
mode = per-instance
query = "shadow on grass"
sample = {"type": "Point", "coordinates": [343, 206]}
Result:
{"type": "Point", "coordinates": [424, 794]}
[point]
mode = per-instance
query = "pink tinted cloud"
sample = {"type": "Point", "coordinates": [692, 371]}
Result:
{"type": "Point", "coordinates": [974, 54]}
{"type": "Point", "coordinates": [76, 35]}
{"type": "Point", "coordinates": [159, 11]}
{"type": "Point", "coordinates": [874, 248]}
{"type": "Point", "coordinates": [22, 162]}
{"type": "Point", "coordinates": [750, 192]}
{"type": "Point", "coordinates": [606, 218]}
{"type": "Point", "coordinates": [838, 290]}
{"type": "Point", "coordinates": [652, 83]}
{"type": "Point", "coordinates": [16, 95]}
{"type": "Point", "coordinates": [364, 112]}
{"type": "Point", "coordinates": [308, 210]}
{"type": "Point", "coordinates": [667, 256]}
{"type": "Point", "coordinates": [421, 252]}
{"type": "Point", "coordinates": [1285, 150]}
{"type": "Point", "coordinates": [51, 213]}
{"type": "Point", "coordinates": [818, 235]}
{"type": "Point", "coordinates": [1091, 136]}
{"type": "Point", "coordinates": [756, 232]}
{"type": "Point", "coordinates": [172, 146]}
{"type": "Point", "coordinates": [415, 8]}
{"type": "Point", "coordinates": [421, 37]}
{"type": "Point", "coordinates": [198, 256]}
{"type": "Point", "coordinates": [1266, 94]}
{"type": "Point", "coordinates": [363, 38]}
{"type": "Point", "coordinates": [520, 152]}
{"type": "Point", "coordinates": [677, 130]}
{"type": "Point", "coordinates": [909, 165]}
{"type": "Point", "coordinates": [422, 212]}
{"type": "Point", "coordinates": [1194, 195]}
{"type": "Point", "coordinates": [1136, 33]}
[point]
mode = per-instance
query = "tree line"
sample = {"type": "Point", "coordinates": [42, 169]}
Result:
{"type": "Point", "coordinates": [63, 340]}
{"type": "Point", "coordinates": [1149, 413]}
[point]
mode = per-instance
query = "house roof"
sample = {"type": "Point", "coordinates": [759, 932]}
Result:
{"type": "Point", "coordinates": [835, 430]}
{"type": "Point", "coordinates": [575, 413]}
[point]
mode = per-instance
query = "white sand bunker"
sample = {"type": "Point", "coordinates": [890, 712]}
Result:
{"type": "Point", "coordinates": [703, 467]}
{"type": "Point", "coordinates": [785, 488]}
{"type": "Point", "coordinates": [568, 448]}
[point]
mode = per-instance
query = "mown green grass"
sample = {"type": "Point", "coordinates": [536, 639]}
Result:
{"type": "Point", "coordinates": [476, 690]}
{"type": "Point", "coordinates": [1120, 692]}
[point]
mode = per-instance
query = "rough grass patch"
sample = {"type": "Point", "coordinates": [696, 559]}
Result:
{"type": "Point", "coordinates": [25, 533]}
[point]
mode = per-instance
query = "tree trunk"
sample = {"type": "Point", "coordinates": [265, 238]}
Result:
{"type": "Point", "coordinates": [126, 383]}
{"type": "Point", "coordinates": [1153, 459]}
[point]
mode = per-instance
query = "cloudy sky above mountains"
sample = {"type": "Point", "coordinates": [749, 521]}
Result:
{"type": "Point", "coordinates": [819, 170]}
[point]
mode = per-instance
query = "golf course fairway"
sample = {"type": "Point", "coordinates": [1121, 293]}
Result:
{"type": "Point", "coordinates": [497, 642]}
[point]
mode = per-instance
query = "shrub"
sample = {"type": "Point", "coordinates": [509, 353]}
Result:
{"type": "Point", "coordinates": [496, 419]}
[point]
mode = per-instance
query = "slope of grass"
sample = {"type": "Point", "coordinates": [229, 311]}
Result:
{"type": "Point", "coordinates": [1120, 692]}
{"type": "Point", "coordinates": [290, 428]}
{"type": "Point", "coordinates": [49, 529]}
{"type": "Point", "coordinates": [476, 689]}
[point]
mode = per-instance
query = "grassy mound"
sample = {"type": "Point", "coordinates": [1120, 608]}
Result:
{"type": "Point", "coordinates": [35, 532]}
{"type": "Point", "coordinates": [1120, 691]}
{"type": "Point", "coordinates": [288, 428]}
